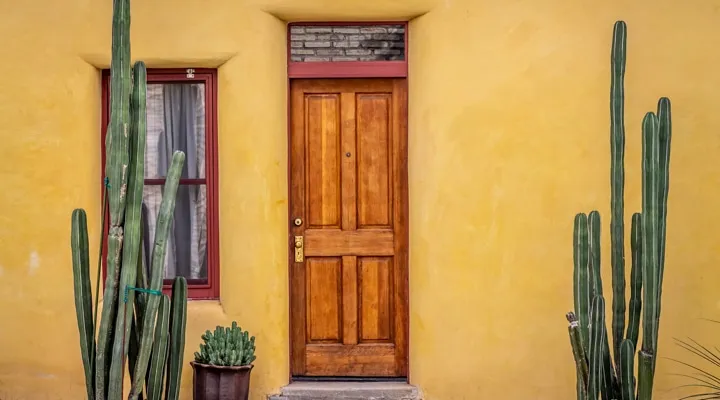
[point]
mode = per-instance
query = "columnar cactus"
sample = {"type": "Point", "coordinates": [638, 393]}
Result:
{"type": "Point", "coordinates": [226, 347]}
{"type": "Point", "coordinates": [604, 367]}
{"type": "Point", "coordinates": [142, 330]}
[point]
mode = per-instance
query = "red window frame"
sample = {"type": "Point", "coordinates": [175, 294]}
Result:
{"type": "Point", "coordinates": [196, 290]}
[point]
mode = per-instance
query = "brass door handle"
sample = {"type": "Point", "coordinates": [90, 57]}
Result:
{"type": "Point", "coordinates": [299, 247]}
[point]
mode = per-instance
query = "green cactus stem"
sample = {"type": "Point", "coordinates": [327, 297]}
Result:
{"type": "Point", "coordinates": [665, 136]}
{"type": "Point", "coordinates": [83, 296]}
{"type": "Point", "coordinates": [650, 242]}
{"type": "Point", "coordinates": [633, 330]}
{"type": "Point", "coordinates": [597, 339]}
{"type": "Point", "coordinates": [594, 248]}
{"type": "Point", "coordinates": [581, 361]}
{"type": "Point", "coordinates": [617, 182]}
{"type": "Point", "coordinates": [178, 320]}
{"type": "Point", "coordinates": [581, 276]}
{"type": "Point", "coordinates": [611, 363]}
{"type": "Point", "coordinates": [131, 246]}
{"type": "Point", "coordinates": [159, 351]}
{"type": "Point", "coordinates": [165, 215]}
{"type": "Point", "coordinates": [645, 376]}
{"type": "Point", "coordinates": [116, 169]}
{"type": "Point", "coordinates": [627, 370]}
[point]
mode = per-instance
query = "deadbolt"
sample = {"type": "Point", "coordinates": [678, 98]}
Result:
{"type": "Point", "coordinates": [298, 221]}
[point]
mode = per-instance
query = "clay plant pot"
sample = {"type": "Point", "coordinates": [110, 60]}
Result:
{"type": "Point", "coordinates": [212, 382]}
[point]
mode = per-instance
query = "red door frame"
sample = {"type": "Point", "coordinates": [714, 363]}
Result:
{"type": "Point", "coordinates": [340, 69]}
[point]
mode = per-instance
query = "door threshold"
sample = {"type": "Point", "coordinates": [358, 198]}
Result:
{"type": "Point", "coordinates": [348, 390]}
{"type": "Point", "coordinates": [347, 379]}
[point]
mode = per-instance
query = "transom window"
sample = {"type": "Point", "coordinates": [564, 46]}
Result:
{"type": "Point", "coordinates": [181, 115]}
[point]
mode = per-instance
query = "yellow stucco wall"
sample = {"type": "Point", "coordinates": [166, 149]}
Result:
{"type": "Point", "coordinates": [509, 125]}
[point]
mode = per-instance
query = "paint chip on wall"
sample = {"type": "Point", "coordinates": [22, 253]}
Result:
{"type": "Point", "coordinates": [34, 263]}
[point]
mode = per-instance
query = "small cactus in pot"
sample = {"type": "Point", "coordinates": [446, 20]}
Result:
{"type": "Point", "coordinates": [222, 366]}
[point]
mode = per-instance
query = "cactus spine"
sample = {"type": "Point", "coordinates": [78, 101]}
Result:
{"type": "Point", "coordinates": [128, 328]}
{"type": "Point", "coordinates": [603, 370]}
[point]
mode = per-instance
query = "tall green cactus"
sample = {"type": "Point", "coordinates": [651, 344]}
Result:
{"type": "Point", "coordinates": [605, 368]}
{"type": "Point", "coordinates": [128, 327]}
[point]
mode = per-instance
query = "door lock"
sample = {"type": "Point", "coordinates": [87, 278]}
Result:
{"type": "Point", "coordinates": [299, 247]}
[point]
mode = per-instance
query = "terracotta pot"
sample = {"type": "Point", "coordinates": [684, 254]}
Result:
{"type": "Point", "coordinates": [212, 382]}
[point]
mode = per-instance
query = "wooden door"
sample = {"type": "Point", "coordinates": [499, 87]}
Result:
{"type": "Point", "coordinates": [348, 206]}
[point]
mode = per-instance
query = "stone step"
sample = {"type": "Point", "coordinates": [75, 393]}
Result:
{"type": "Point", "coordinates": [348, 391]}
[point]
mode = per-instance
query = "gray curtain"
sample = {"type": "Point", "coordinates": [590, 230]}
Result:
{"type": "Point", "coordinates": [176, 121]}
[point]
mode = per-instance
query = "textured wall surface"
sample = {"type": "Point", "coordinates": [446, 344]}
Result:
{"type": "Point", "coordinates": [509, 138]}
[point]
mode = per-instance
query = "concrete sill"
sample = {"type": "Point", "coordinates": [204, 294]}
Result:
{"type": "Point", "coordinates": [348, 391]}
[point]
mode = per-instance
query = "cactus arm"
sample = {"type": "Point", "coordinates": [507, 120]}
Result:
{"type": "Point", "coordinates": [117, 138]}
{"type": "Point", "coordinates": [594, 248]}
{"type": "Point", "coordinates": [609, 376]}
{"type": "Point", "coordinates": [132, 350]}
{"type": "Point", "coordinates": [597, 316]}
{"type": "Point", "coordinates": [165, 215]}
{"type": "Point", "coordinates": [664, 137]}
{"type": "Point", "coordinates": [617, 182]}
{"type": "Point", "coordinates": [131, 245]}
{"type": "Point", "coordinates": [645, 375]}
{"type": "Point", "coordinates": [650, 171]}
{"type": "Point", "coordinates": [83, 295]}
{"type": "Point", "coordinates": [106, 332]}
{"type": "Point", "coordinates": [627, 370]}
{"type": "Point", "coordinates": [650, 192]}
{"type": "Point", "coordinates": [160, 351]}
{"type": "Point", "coordinates": [140, 282]}
{"type": "Point", "coordinates": [116, 142]}
{"type": "Point", "coordinates": [635, 280]}
{"type": "Point", "coordinates": [581, 362]}
{"type": "Point", "coordinates": [581, 276]}
{"type": "Point", "coordinates": [178, 321]}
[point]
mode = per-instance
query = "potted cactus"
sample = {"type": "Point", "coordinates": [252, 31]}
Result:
{"type": "Point", "coordinates": [222, 367]}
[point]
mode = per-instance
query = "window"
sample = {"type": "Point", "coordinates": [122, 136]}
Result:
{"type": "Point", "coordinates": [181, 115]}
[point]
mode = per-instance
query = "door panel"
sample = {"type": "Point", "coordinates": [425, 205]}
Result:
{"type": "Point", "coordinates": [348, 187]}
